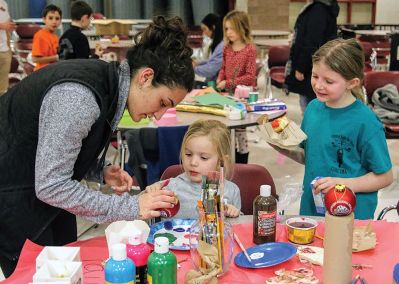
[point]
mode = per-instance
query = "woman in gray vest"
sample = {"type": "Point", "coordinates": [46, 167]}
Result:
{"type": "Point", "coordinates": [55, 124]}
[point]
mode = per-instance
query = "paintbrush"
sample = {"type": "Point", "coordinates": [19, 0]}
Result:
{"type": "Point", "coordinates": [242, 247]}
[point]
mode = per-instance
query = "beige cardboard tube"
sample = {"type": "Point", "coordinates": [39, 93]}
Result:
{"type": "Point", "coordinates": [337, 268]}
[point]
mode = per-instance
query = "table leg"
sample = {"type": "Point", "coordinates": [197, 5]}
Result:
{"type": "Point", "coordinates": [233, 145]}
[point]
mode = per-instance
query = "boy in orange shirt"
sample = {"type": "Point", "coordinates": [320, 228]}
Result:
{"type": "Point", "coordinates": [45, 41]}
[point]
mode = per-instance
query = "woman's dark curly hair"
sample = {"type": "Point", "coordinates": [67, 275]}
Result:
{"type": "Point", "coordinates": [163, 47]}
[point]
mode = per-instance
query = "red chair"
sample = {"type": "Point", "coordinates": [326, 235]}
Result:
{"type": "Point", "coordinates": [248, 177]}
{"type": "Point", "coordinates": [369, 55]}
{"type": "Point", "coordinates": [374, 80]}
{"type": "Point", "coordinates": [23, 47]}
{"type": "Point", "coordinates": [27, 31]}
{"type": "Point", "coordinates": [277, 58]}
{"type": "Point", "coordinates": [16, 74]}
{"type": "Point", "coordinates": [98, 16]}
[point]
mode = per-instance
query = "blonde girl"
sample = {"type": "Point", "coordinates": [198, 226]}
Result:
{"type": "Point", "coordinates": [205, 145]}
{"type": "Point", "coordinates": [346, 141]}
{"type": "Point", "coordinates": [238, 66]}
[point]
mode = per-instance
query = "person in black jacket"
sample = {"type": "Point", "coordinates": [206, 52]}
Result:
{"type": "Point", "coordinates": [73, 43]}
{"type": "Point", "coordinates": [56, 125]}
{"type": "Point", "coordinates": [315, 25]}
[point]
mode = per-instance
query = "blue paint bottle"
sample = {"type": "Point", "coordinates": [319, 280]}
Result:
{"type": "Point", "coordinates": [119, 269]}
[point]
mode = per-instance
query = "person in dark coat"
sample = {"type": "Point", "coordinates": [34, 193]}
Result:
{"type": "Point", "coordinates": [315, 25]}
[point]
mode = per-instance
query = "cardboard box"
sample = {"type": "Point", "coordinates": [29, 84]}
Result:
{"type": "Point", "coordinates": [113, 27]}
{"type": "Point", "coordinates": [54, 253]}
{"type": "Point", "coordinates": [59, 272]}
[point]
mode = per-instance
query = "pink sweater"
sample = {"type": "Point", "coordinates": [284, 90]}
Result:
{"type": "Point", "coordinates": [238, 67]}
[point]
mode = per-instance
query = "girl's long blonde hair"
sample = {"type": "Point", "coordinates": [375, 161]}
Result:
{"type": "Point", "coordinates": [240, 22]}
{"type": "Point", "coordinates": [219, 136]}
{"type": "Point", "coordinates": [346, 57]}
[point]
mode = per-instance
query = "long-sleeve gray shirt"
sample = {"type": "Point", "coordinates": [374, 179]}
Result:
{"type": "Point", "coordinates": [66, 116]}
{"type": "Point", "coordinates": [189, 193]}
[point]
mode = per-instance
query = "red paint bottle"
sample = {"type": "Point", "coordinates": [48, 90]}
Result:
{"type": "Point", "coordinates": [139, 253]}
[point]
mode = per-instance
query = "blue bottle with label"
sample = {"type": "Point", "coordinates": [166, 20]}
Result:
{"type": "Point", "coordinates": [119, 268]}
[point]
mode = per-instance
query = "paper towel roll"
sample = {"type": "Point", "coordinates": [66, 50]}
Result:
{"type": "Point", "coordinates": [338, 237]}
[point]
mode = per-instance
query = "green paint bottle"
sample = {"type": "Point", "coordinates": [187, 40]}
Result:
{"type": "Point", "coordinates": [162, 264]}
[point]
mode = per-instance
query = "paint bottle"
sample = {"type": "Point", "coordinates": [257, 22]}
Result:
{"type": "Point", "coordinates": [264, 214]}
{"type": "Point", "coordinates": [162, 264]}
{"type": "Point", "coordinates": [119, 268]}
{"type": "Point", "coordinates": [138, 252]}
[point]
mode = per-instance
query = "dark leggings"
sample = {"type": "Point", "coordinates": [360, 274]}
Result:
{"type": "Point", "coordinates": [60, 232]}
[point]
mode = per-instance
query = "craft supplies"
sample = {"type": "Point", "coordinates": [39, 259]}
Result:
{"type": "Point", "coordinates": [264, 216]}
{"type": "Point", "coordinates": [338, 239]}
{"type": "Point", "coordinates": [301, 230]}
{"type": "Point", "coordinates": [162, 264]}
{"type": "Point", "coordinates": [242, 247]}
{"type": "Point", "coordinates": [119, 268]}
{"type": "Point", "coordinates": [138, 252]}
{"type": "Point", "coordinates": [318, 198]}
{"type": "Point", "coordinates": [211, 237]}
{"type": "Point", "coordinates": [170, 212]}
{"type": "Point", "coordinates": [340, 200]}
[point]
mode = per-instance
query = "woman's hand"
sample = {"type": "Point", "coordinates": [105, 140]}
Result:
{"type": "Point", "coordinates": [118, 179]}
{"type": "Point", "coordinates": [299, 76]}
{"type": "Point", "coordinates": [221, 85]}
{"type": "Point", "coordinates": [231, 211]}
{"type": "Point", "coordinates": [152, 199]}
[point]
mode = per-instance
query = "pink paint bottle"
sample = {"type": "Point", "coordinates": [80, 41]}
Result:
{"type": "Point", "coordinates": [139, 253]}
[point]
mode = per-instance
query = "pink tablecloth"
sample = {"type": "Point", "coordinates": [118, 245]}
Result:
{"type": "Point", "coordinates": [94, 251]}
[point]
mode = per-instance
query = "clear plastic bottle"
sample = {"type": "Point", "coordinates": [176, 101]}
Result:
{"type": "Point", "coordinates": [119, 268]}
{"type": "Point", "coordinates": [264, 214]}
{"type": "Point", "coordinates": [162, 264]}
{"type": "Point", "coordinates": [138, 252]}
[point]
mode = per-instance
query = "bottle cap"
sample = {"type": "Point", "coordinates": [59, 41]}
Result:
{"type": "Point", "coordinates": [135, 237]}
{"type": "Point", "coordinates": [161, 245]}
{"type": "Point", "coordinates": [118, 252]}
{"type": "Point", "coordinates": [265, 190]}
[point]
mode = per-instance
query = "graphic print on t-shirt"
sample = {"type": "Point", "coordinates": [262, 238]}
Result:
{"type": "Point", "coordinates": [342, 144]}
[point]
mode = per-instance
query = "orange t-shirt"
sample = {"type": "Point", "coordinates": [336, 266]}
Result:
{"type": "Point", "coordinates": [45, 43]}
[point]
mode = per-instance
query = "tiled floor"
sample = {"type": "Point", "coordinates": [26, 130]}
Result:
{"type": "Point", "coordinates": [285, 170]}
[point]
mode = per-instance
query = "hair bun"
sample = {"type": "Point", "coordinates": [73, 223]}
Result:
{"type": "Point", "coordinates": [171, 35]}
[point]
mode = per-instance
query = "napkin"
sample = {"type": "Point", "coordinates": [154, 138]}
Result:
{"type": "Point", "coordinates": [364, 238]}
{"type": "Point", "coordinates": [289, 138]}
{"type": "Point", "coordinates": [209, 255]}
{"type": "Point", "coordinates": [119, 232]}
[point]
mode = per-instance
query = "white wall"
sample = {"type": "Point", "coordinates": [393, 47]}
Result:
{"type": "Point", "coordinates": [387, 12]}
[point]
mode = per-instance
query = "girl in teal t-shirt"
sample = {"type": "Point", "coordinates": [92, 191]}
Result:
{"type": "Point", "coordinates": [346, 141]}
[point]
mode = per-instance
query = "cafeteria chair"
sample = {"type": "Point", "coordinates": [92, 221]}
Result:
{"type": "Point", "coordinates": [248, 178]}
{"type": "Point", "coordinates": [387, 209]}
{"type": "Point", "coordinates": [23, 46]}
{"type": "Point", "coordinates": [377, 79]}
{"type": "Point", "coordinates": [16, 73]}
{"type": "Point", "coordinates": [276, 60]}
{"type": "Point", "coordinates": [370, 56]}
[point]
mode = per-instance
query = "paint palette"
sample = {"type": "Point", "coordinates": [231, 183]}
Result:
{"type": "Point", "coordinates": [176, 230]}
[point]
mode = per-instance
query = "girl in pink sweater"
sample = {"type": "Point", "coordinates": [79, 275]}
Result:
{"type": "Point", "coordinates": [238, 66]}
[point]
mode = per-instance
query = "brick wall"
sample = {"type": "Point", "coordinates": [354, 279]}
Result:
{"type": "Point", "coordinates": [269, 14]}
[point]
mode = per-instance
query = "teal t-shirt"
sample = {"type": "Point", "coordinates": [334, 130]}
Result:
{"type": "Point", "coordinates": [345, 142]}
